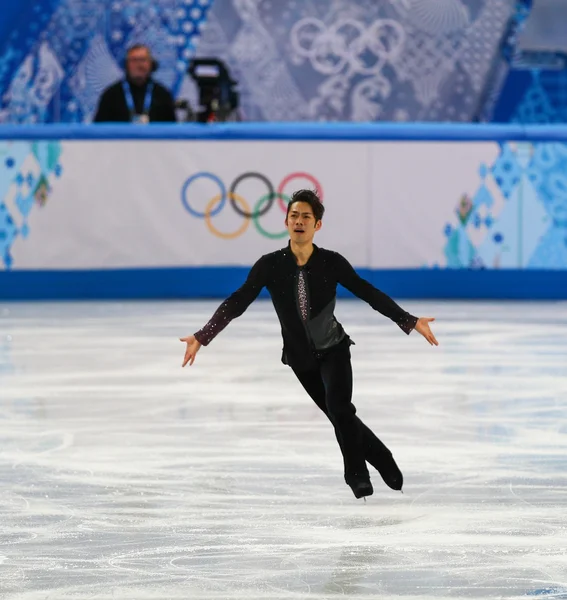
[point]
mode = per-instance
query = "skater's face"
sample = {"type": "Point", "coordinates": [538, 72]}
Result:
{"type": "Point", "coordinates": [300, 223]}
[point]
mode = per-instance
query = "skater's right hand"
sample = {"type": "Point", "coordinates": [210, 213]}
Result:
{"type": "Point", "coordinates": [193, 346]}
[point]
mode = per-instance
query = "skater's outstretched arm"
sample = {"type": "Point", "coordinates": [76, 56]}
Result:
{"type": "Point", "coordinates": [230, 309]}
{"type": "Point", "coordinates": [381, 302]}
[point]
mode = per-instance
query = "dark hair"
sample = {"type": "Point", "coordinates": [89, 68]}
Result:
{"type": "Point", "coordinates": [309, 197]}
{"type": "Point", "coordinates": [131, 49]}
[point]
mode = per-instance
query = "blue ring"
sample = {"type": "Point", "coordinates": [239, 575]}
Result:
{"type": "Point", "coordinates": [195, 213]}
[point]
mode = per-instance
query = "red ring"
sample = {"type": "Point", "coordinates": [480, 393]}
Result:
{"type": "Point", "coordinates": [297, 175]}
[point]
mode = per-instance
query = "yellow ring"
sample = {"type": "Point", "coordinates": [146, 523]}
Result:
{"type": "Point", "coordinates": [209, 222]}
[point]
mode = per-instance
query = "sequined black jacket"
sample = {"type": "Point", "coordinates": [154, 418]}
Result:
{"type": "Point", "coordinates": [304, 341]}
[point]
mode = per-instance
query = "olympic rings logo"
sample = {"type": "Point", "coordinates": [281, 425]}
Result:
{"type": "Point", "coordinates": [240, 205]}
{"type": "Point", "coordinates": [364, 49]}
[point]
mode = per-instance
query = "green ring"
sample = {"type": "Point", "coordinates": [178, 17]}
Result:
{"type": "Point", "coordinates": [256, 218]}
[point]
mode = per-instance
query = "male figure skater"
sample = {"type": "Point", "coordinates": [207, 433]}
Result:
{"type": "Point", "coordinates": [302, 280]}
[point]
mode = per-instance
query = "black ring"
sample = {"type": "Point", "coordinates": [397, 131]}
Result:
{"type": "Point", "coordinates": [271, 194]}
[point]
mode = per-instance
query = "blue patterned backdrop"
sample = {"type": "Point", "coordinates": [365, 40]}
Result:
{"type": "Point", "coordinates": [529, 84]}
{"type": "Point", "coordinates": [362, 60]}
{"type": "Point", "coordinates": [58, 55]}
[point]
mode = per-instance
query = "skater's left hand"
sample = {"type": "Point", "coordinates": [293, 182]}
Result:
{"type": "Point", "coordinates": [423, 328]}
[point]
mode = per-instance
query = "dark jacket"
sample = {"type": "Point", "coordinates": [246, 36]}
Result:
{"type": "Point", "coordinates": [304, 341]}
{"type": "Point", "coordinates": [112, 105]}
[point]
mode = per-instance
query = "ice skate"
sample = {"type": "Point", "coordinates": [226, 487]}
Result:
{"type": "Point", "coordinates": [389, 470]}
{"type": "Point", "coordinates": [360, 485]}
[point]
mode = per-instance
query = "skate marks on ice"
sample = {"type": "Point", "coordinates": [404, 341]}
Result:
{"type": "Point", "coordinates": [125, 476]}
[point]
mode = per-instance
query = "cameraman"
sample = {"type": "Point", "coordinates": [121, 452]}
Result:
{"type": "Point", "coordinates": [137, 98]}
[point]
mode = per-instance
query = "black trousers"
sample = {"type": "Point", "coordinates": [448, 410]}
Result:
{"type": "Point", "coordinates": [330, 387]}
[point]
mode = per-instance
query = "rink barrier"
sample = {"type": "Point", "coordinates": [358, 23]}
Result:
{"type": "Point", "coordinates": [427, 132]}
{"type": "Point", "coordinates": [220, 281]}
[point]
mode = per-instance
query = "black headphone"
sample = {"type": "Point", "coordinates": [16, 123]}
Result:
{"type": "Point", "coordinates": [155, 63]}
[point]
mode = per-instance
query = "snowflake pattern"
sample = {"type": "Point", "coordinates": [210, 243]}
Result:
{"type": "Point", "coordinates": [66, 52]}
{"type": "Point", "coordinates": [518, 216]}
{"type": "Point", "coordinates": [27, 173]}
{"type": "Point", "coordinates": [357, 60]}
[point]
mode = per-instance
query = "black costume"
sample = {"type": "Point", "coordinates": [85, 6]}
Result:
{"type": "Point", "coordinates": [113, 106]}
{"type": "Point", "coordinates": [315, 344]}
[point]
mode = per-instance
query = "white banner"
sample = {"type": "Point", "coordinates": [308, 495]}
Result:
{"type": "Point", "coordinates": [390, 205]}
{"type": "Point", "coordinates": [469, 205]}
{"type": "Point", "coordinates": [165, 203]}
{"type": "Point", "coordinates": [418, 189]}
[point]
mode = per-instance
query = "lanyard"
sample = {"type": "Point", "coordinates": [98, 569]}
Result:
{"type": "Point", "coordinates": [130, 99]}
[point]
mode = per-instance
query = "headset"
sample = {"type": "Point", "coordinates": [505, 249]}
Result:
{"type": "Point", "coordinates": [155, 63]}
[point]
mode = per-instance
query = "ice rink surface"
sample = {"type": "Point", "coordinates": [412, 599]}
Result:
{"type": "Point", "coordinates": [125, 476]}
